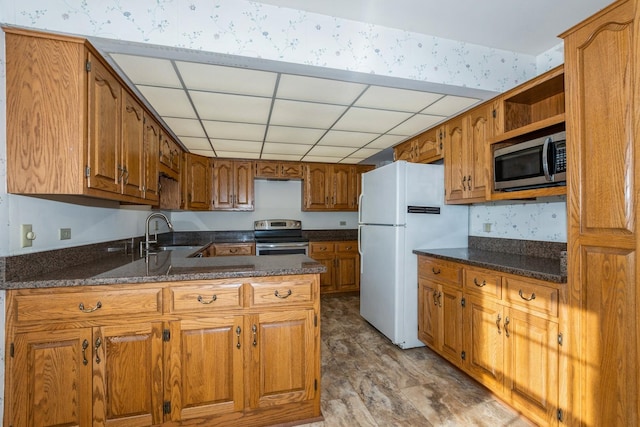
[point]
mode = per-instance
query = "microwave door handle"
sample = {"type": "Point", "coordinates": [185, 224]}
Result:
{"type": "Point", "coordinates": [545, 159]}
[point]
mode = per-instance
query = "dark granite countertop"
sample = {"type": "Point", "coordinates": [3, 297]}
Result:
{"type": "Point", "coordinates": [523, 265]}
{"type": "Point", "coordinates": [166, 266]}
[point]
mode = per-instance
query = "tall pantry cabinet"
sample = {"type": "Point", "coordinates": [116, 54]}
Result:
{"type": "Point", "coordinates": [602, 72]}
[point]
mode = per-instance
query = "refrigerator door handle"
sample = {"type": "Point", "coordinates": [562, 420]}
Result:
{"type": "Point", "coordinates": [360, 248]}
{"type": "Point", "coordinates": [360, 208]}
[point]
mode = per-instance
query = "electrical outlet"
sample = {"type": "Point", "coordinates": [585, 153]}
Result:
{"type": "Point", "coordinates": [27, 235]}
{"type": "Point", "coordinates": [65, 233]}
{"type": "Point", "coordinates": [486, 227]}
{"type": "Point", "coordinates": [343, 222]}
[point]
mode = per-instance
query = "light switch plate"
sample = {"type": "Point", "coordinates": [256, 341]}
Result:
{"type": "Point", "coordinates": [65, 233]}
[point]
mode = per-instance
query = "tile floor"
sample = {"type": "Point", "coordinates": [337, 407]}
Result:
{"type": "Point", "coordinates": [367, 381]}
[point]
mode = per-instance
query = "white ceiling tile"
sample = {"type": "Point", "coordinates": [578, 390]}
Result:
{"type": "Point", "coordinates": [449, 105]}
{"type": "Point", "coordinates": [305, 114]}
{"type": "Point", "coordinates": [195, 143]}
{"type": "Point", "coordinates": [237, 155]}
{"type": "Point", "coordinates": [364, 153]}
{"type": "Point", "coordinates": [370, 120]}
{"type": "Point", "coordinates": [142, 70]}
{"type": "Point", "coordinates": [386, 141]}
{"type": "Point", "coordinates": [293, 157]}
{"type": "Point", "coordinates": [275, 148]}
{"type": "Point", "coordinates": [185, 127]}
{"type": "Point", "coordinates": [216, 78]}
{"type": "Point", "coordinates": [350, 161]}
{"type": "Point", "coordinates": [230, 130]}
{"type": "Point", "coordinates": [293, 134]}
{"type": "Point", "coordinates": [314, 89]}
{"type": "Point", "coordinates": [168, 102]}
{"type": "Point", "coordinates": [327, 151]}
{"type": "Point", "coordinates": [341, 138]}
{"type": "Point", "coordinates": [387, 98]}
{"type": "Point", "coordinates": [416, 124]}
{"type": "Point", "coordinates": [231, 108]}
{"type": "Point", "coordinates": [237, 146]}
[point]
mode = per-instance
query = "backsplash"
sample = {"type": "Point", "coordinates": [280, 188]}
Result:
{"type": "Point", "coordinates": [539, 220]}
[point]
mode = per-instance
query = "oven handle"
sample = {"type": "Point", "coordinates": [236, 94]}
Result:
{"type": "Point", "coordinates": [282, 245]}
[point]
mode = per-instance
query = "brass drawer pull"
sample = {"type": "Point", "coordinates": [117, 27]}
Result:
{"type": "Point", "coordinates": [434, 271]}
{"type": "Point", "coordinates": [202, 301]}
{"type": "Point", "coordinates": [90, 310]}
{"type": "Point", "coordinates": [532, 297]}
{"type": "Point", "coordinates": [475, 282]}
{"type": "Point", "coordinates": [279, 295]}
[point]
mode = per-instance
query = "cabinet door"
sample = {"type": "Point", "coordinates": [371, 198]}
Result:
{"type": "Point", "coordinates": [480, 130]}
{"type": "Point", "coordinates": [483, 346]}
{"type": "Point", "coordinates": [151, 158]}
{"type": "Point", "coordinates": [324, 253]}
{"type": "Point", "coordinates": [428, 313]}
{"type": "Point", "coordinates": [104, 112]}
{"type": "Point", "coordinates": [205, 358]}
{"type": "Point", "coordinates": [128, 374]}
{"type": "Point", "coordinates": [316, 191]}
{"type": "Point", "coordinates": [429, 146]}
{"type": "Point", "coordinates": [451, 323]}
{"type": "Point", "coordinates": [131, 165]}
{"type": "Point", "coordinates": [50, 379]}
{"type": "Point", "coordinates": [531, 365]}
{"type": "Point", "coordinates": [223, 189]}
{"type": "Point", "coordinates": [347, 262]}
{"type": "Point", "coordinates": [243, 185]}
{"type": "Point", "coordinates": [291, 170]}
{"type": "Point", "coordinates": [341, 191]}
{"type": "Point", "coordinates": [455, 160]}
{"type": "Point", "coordinates": [404, 151]}
{"type": "Point", "coordinates": [283, 357]}
{"type": "Point", "coordinates": [198, 182]}
{"type": "Point", "coordinates": [267, 169]}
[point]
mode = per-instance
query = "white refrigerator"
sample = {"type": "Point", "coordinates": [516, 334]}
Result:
{"type": "Point", "coordinates": [401, 209]}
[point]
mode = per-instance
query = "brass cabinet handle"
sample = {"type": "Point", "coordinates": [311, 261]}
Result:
{"type": "Point", "coordinates": [85, 345]}
{"type": "Point", "coordinates": [498, 323]}
{"type": "Point", "coordinates": [95, 349]}
{"type": "Point", "coordinates": [464, 180]}
{"type": "Point", "coordinates": [435, 298]}
{"type": "Point", "coordinates": [532, 297]}
{"type": "Point", "coordinates": [506, 326]}
{"type": "Point", "coordinates": [254, 329]}
{"type": "Point", "coordinates": [90, 310]}
{"type": "Point", "coordinates": [434, 271]}
{"type": "Point", "coordinates": [475, 282]}
{"type": "Point", "coordinates": [439, 299]}
{"type": "Point", "coordinates": [202, 300]}
{"type": "Point", "coordinates": [238, 332]}
{"type": "Point", "coordinates": [469, 182]}
{"type": "Point", "coordinates": [279, 295]}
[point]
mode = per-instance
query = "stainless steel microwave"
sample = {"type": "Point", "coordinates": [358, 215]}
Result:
{"type": "Point", "coordinates": [541, 162]}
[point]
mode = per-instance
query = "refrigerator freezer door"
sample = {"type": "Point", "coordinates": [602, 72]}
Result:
{"type": "Point", "coordinates": [381, 272]}
{"type": "Point", "coordinates": [382, 194]}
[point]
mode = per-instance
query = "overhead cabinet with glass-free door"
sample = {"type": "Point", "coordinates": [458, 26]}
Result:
{"type": "Point", "coordinates": [427, 147]}
{"type": "Point", "coordinates": [73, 127]}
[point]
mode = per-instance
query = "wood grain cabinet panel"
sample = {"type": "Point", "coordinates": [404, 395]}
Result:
{"type": "Point", "coordinates": [197, 182]}
{"type": "Point", "coordinates": [278, 170]}
{"type": "Point", "coordinates": [331, 187]}
{"type": "Point", "coordinates": [233, 185]}
{"type": "Point", "coordinates": [427, 147]}
{"type": "Point", "coordinates": [342, 260]}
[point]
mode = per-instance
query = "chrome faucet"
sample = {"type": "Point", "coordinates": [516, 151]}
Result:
{"type": "Point", "coordinates": [147, 241]}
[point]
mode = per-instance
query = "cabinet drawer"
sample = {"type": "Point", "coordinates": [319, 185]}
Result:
{"type": "Point", "coordinates": [282, 292]}
{"type": "Point", "coordinates": [87, 305]}
{"type": "Point", "coordinates": [483, 282]}
{"type": "Point", "coordinates": [232, 249]}
{"type": "Point", "coordinates": [204, 297]}
{"type": "Point", "coordinates": [321, 247]}
{"type": "Point", "coordinates": [350, 246]}
{"type": "Point", "coordinates": [532, 295]}
{"type": "Point", "coordinates": [439, 271]}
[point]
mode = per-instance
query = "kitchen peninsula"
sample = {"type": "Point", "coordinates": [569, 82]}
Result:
{"type": "Point", "coordinates": [222, 340]}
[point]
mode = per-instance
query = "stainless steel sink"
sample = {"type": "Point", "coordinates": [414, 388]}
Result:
{"type": "Point", "coordinates": [177, 247]}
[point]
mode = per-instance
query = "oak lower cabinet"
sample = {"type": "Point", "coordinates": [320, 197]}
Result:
{"type": "Point", "coordinates": [342, 261]}
{"type": "Point", "coordinates": [229, 249]}
{"type": "Point", "coordinates": [208, 352]}
{"type": "Point", "coordinates": [501, 329]}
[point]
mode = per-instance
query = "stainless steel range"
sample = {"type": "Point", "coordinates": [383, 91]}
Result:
{"type": "Point", "coordinates": [280, 237]}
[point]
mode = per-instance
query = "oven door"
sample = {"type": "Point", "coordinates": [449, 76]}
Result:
{"type": "Point", "coordinates": [291, 248]}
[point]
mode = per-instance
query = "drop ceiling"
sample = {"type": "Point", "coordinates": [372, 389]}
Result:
{"type": "Point", "coordinates": [238, 107]}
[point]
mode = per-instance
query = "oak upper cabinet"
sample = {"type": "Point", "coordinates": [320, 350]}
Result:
{"type": "Point", "coordinates": [170, 156]}
{"type": "Point", "coordinates": [278, 170]}
{"type": "Point", "coordinates": [330, 187]}
{"type": "Point", "coordinates": [427, 147]}
{"type": "Point", "coordinates": [602, 77]}
{"type": "Point", "coordinates": [233, 185]}
{"type": "Point", "coordinates": [197, 182]}
{"type": "Point", "coordinates": [88, 138]}
{"type": "Point", "coordinates": [150, 168]}
{"type": "Point", "coordinates": [466, 168]}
